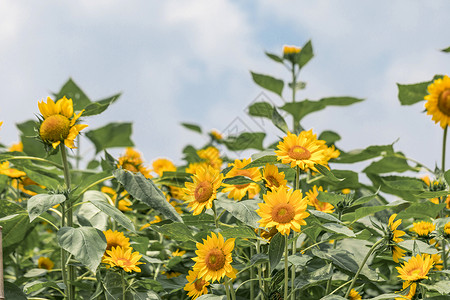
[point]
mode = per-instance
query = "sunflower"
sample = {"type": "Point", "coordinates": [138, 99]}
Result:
{"type": "Point", "coordinates": [410, 287]}
{"type": "Point", "coordinates": [116, 239]}
{"type": "Point", "coordinates": [195, 286]}
{"type": "Point", "coordinates": [216, 135]}
{"type": "Point", "coordinates": [16, 147]}
{"type": "Point", "coordinates": [354, 295]}
{"type": "Point", "coordinates": [447, 229]}
{"type": "Point", "coordinates": [123, 258]}
{"type": "Point", "coordinates": [287, 49]}
{"type": "Point", "coordinates": [201, 193]}
{"type": "Point", "coordinates": [193, 167]}
{"type": "Point", "coordinates": [24, 182]}
{"type": "Point", "coordinates": [213, 261]}
{"type": "Point", "coordinates": [123, 203]}
{"type": "Point", "coordinates": [272, 177]}
{"type": "Point", "coordinates": [157, 219]}
{"type": "Point", "coordinates": [319, 205]}
{"type": "Point", "coordinates": [162, 165]}
{"type": "Point", "coordinates": [423, 228]}
{"type": "Point", "coordinates": [331, 152]}
{"type": "Point", "coordinates": [132, 161]}
{"type": "Point", "coordinates": [303, 150]}
{"type": "Point", "coordinates": [212, 156]}
{"type": "Point", "coordinates": [394, 238]}
{"type": "Point", "coordinates": [178, 253]}
{"type": "Point", "coordinates": [416, 268]}
{"type": "Point", "coordinates": [438, 101]}
{"type": "Point", "coordinates": [10, 172]}
{"type": "Point", "coordinates": [45, 263]}
{"type": "Point", "coordinates": [238, 191]}
{"type": "Point", "coordinates": [283, 208]}
{"type": "Point", "coordinates": [58, 124]}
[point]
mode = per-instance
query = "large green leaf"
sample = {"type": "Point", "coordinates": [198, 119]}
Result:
{"type": "Point", "coordinates": [421, 210]}
{"type": "Point", "coordinates": [43, 177]}
{"type": "Point", "coordinates": [389, 164]}
{"type": "Point", "coordinates": [86, 244]}
{"type": "Point", "coordinates": [177, 231]}
{"type": "Point", "coordinates": [40, 203]}
{"type": "Point", "coordinates": [305, 55]}
{"type": "Point", "coordinates": [237, 180]}
{"type": "Point", "coordinates": [329, 136]}
{"type": "Point", "coordinates": [246, 140]}
{"type": "Point", "coordinates": [340, 258]}
{"type": "Point", "coordinates": [72, 91]}
{"type": "Point", "coordinates": [269, 83]}
{"type": "Point", "coordinates": [441, 286]}
{"type": "Point", "coordinates": [409, 94]}
{"type": "Point", "coordinates": [89, 215]}
{"type": "Point", "coordinates": [276, 250]}
{"type": "Point", "coordinates": [100, 106]}
{"type": "Point", "coordinates": [244, 211]}
{"type": "Point", "coordinates": [146, 191]}
{"type": "Point", "coordinates": [364, 154]}
{"type": "Point", "coordinates": [111, 135]}
{"type": "Point", "coordinates": [241, 232]}
{"type": "Point", "coordinates": [338, 228]}
{"type": "Point", "coordinates": [15, 222]}
{"type": "Point", "coordinates": [12, 291]}
{"type": "Point", "coordinates": [418, 247]}
{"type": "Point", "coordinates": [368, 210]}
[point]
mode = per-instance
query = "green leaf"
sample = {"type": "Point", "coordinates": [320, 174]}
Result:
{"type": "Point", "coordinates": [261, 109]}
{"type": "Point", "coordinates": [262, 162]}
{"type": "Point", "coordinates": [338, 228]}
{"type": "Point", "coordinates": [300, 85]}
{"type": "Point", "coordinates": [276, 250]}
{"type": "Point", "coordinates": [177, 231]}
{"type": "Point", "coordinates": [416, 245]}
{"type": "Point", "coordinates": [446, 50]}
{"type": "Point", "coordinates": [89, 213]}
{"type": "Point", "coordinates": [100, 106]}
{"type": "Point", "coordinates": [332, 297]}
{"type": "Point", "coordinates": [329, 136]}
{"type": "Point", "coordinates": [368, 210]}
{"type": "Point", "coordinates": [325, 216]}
{"type": "Point", "coordinates": [192, 127]}
{"type": "Point", "coordinates": [299, 260]}
{"type": "Point", "coordinates": [340, 258]}
{"type": "Point", "coordinates": [441, 286]}
{"type": "Point", "coordinates": [42, 176]}
{"type": "Point", "coordinates": [331, 198]}
{"type": "Point", "coordinates": [211, 297]}
{"type": "Point", "coordinates": [278, 121]}
{"type": "Point", "coordinates": [12, 291]}
{"type": "Point", "coordinates": [37, 285]}
{"type": "Point", "coordinates": [327, 173]}
{"type": "Point", "coordinates": [269, 83]}
{"type": "Point", "coordinates": [86, 244]}
{"type": "Point", "coordinates": [87, 181]}
{"type": "Point", "coordinates": [274, 57]}
{"type": "Point", "coordinates": [112, 285]}
{"type": "Point", "coordinates": [244, 211]}
{"type": "Point", "coordinates": [146, 191]}
{"type": "Point", "coordinates": [388, 296]}
{"type": "Point", "coordinates": [246, 140]}
{"type": "Point", "coordinates": [15, 222]}
{"type": "Point", "coordinates": [447, 176]}
{"type": "Point", "coordinates": [238, 180]}
{"type": "Point", "coordinates": [364, 154]}
{"type": "Point", "coordinates": [429, 194]}
{"type": "Point", "coordinates": [72, 91]}
{"type": "Point", "coordinates": [305, 55]}
{"type": "Point", "coordinates": [389, 164]}
{"type": "Point", "coordinates": [409, 94]}
{"type": "Point", "coordinates": [101, 202]}
{"type": "Point", "coordinates": [110, 136]}
{"type": "Point", "coordinates": [201, 219]}
{"type": "Point", "coordinates": [421, 210]}
{"type": "Point", "coordinates": [40, 203]}
{"type": "Point", "coordinates": [243, 232]}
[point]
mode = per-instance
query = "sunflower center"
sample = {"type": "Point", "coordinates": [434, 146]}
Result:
{"type": "Point", "coordinates": [130, 167]}
{"type": "Point", "coordinates": [299, 153]}
{"type": "Point", "coordinates": [272, 181]}
{"type": "Point", "coordinates": [283, 213]}
{"type": "Point", "coordinates": [109, 245]}
{"type": "Point", "coordinates": [203, 191]}
{"type": "Point", "coordinates": [444, 102]}
{"type": "Point", "coordinates": [55, 128]}
{"type": "Point", "coordinates": [199, 283]}
{"type": "Point", "coordinates": [215, 259]}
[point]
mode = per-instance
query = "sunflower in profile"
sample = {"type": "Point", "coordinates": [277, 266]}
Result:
{"type": "Point", "coordinates": [423, 228]}
{"type": "Point", "coordinates": [212, 156]}
{"type": "Point", "coordinates": [272, 177]}
{"type": "Point", "coordinates": [202, 191]}
{"type": "Point", "coordinates": [162, 165]}
{"type": "Point", "coordinates": [354, 295]}
{"type": "Point", "coordinates": [318, 205]}
{"type": "Point", "coordinates": [123, 258]}
{"type": "Point", "coordinates": [438, 101]}
{"type": "Point", "coordinates": [409, 287]}
{"type": "Point", "coordinates": [416, 268]}
{"type": "Point", "coordinates": [45, 263]}
{"type": "Point", "coordinates": [196, 286]}
{"type": "Point", "coordinates": [283, 208]}
{"type": "Point", "coordinates": [216, 135]}
{"type": "Point", "coordinates": [238, 191]}
{"type": "Point", "coordinates": [395, 237]}
{"type": "Point", "coordinates": [303, 150]}
{"type": "Point", "coordinates": [58, 122]}
{"type": "Point", "coordinates": [213, 261]}
{"type": "Point", "coordinates": [116, 239]}
{"type": "Point", "coordinates": [133, 162]}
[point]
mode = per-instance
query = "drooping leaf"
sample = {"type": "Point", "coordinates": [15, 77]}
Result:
{"type": "Point", "coordinates": [15, 222]}
{"type": "Point", "coordinates": [269, 83]}
{"type": "Point", "coordinates": [12, 291]}
{"type": "Point", "coordinates": [421, 210]}
{"type": "Point", "coordinates": [364, 154]}
{"type": "Point", "coordinates": [276, 250]}
{"type": "Point", "coordinates": [243, 232]}
{"type": "Point", "coordinates": [274, 57]}
{"type": "Point", "coordinates": [100, 106]}
{"type": "Point", "coordinates": [192, 127]}
{"type": "Point", "coordinates": [262, 161]}
{"type": "Point", "coordinates": [111, 135]}
{"type": "Point", "coordinates": [244, 211]}
{"type": "Point", "coordinates": [278, 121]}
{"type": "Point", "coordinates": [40, 203]}
{"type": "Point", "coordinates": [328, 174]}
{"type": "Point", "coordinates": [389, 164]}
{"type": "Point", "coordinates": [72, 91]}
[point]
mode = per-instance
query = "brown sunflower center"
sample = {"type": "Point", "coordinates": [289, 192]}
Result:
{"type": "Point", "coordinates": [215, 259]}
{"type": "Point", "coordinates": [55, 128]}
{"type": "Point", "coordinates": [198, 284]}
{"type": "Point", "coordinates": [114, 244]}
{"type": "Point", "coordinates": [444, 102]}
{"type": "Point", "coordinates": [272, 181]}
{"type": "Point", "coordinates": [283, 213]}
{"type": "Point", "coordinates": [203, 191]}
{"type": "Point", "coordinates": [299, 153]}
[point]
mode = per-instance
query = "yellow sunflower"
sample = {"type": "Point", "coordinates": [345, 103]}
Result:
{"type": "Point", "coordinates": [303, 150]}
{"type": "Point", "coordinates": [58, 123]}
{"type": "Point", "coordinates": [132, 161]}
{"type": "Point", "coordinates": [195, 286]}
{"type": "Point", "coordinates": [212, 156]}
{"type": "Point", "coordinates": [331, 152]}
{"type": "Point", "coordinates": [319, 205]}
{"type": "Point", "coordinates": [394, 238]}
{"type": "Point", "coordinates": [10, 172]}
{"type": "Point", "coordinates": [216, 134]}
{"type": "Point", "coordinates": [423, 228]}
{"type": "Point", "coordinates": [447, 228]}
{"type": "Point", "coordinates": [116, 239]}
{"type": "Point", "coordinates": [123, 258]}
{"type": "Point", "coordinates": [354, 295]}
{"type": "Point", "coordinates": [123, 203]}
{"type": "Point", "coordinates": [213, 261]}
{"type": "Point", "coordinates": [416, 268]}
{"type": "Point", "coordinates": [290, 52]}
{"type": "Point", "coordinates": [193, 167]}
{"type": "Point", "coordinates": [268, 235]}
{"type": "Point", "coordinates": [201, 193]}
{"type": "Point", "coordinates": [162, 165]}
{"type": "Point", "coordinates": [171, 274]}
{"type": "Point", "coordinates": [410, 287]}
{"type": "Point", "coordinates": [283, 208]}
{"type": "Point", "coordinates": [272, 177]}
{"type": "Point", "coordinates": [157, 219]}
{"type": "Point", "coordinates": [438, 101]}
{"type": "Point", "coordinates": [178, 253]}
{"type": "Point", "coordinates": [45, 263]}
{"type": "Point", "coordinates": [16, 147]}
{"type": "Point", "coordinates": [237, 192]}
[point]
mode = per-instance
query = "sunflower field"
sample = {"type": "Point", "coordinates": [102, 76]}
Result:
{"type": "Point", "coordinates": [292, 220]}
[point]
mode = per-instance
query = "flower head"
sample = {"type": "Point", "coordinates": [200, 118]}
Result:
{"type": "Point", "coordinates": [156, 219]}
{"type": "Point", "coordinates": [10, 172]}
{"type": "Point", "coordinates": [123, 203]}
{"type": "Point", "coordinates": [303, 150]}
{"type": "Point", "coordinates": [394, 238]}
{"type": "Point", "coordinates": [116, 239]}
{"type": "Point", "coordinates": [238, 191]}
{"type": "Point", "coordinates": [289, 50]}
{"type": "Point", "coordinates": [283, 208]}
{"type": "Point", "coordinates": [211, 155]}
{"type": "Point", "coordinates": [319, 205]}
{"type": "Point", "coordinates": [132, 161]}
{"type": "Point", "coordinates": [58, 124]}
{"type": "Point", "coordinates": [162, 165]}
{"type": "Point", "coordinates": [123, 258]}
{"type": "Point", "coordinates": [45, 263]}
{"type": "Point", "coordinates": [196, 286]}
{"type": "Point", "coordinates": [16, 147]}
{"type": "Point", "coordinates": [438, 101]}
{"type": "Point", "coordinates": [410, 287]}
{"type": "Point", "coordinates": [213, 261]}
{"type": "Point", "coordinates": [272, 177]}
{"type": "Point", "coordinates": [423, 228]}
{"type": "Point", "coordinates": [178, 253]}
{"type": "Point", "coordinates": [447, 229]}
{"type": "Point", "coordinates": [416, 268]}
{"type": "Point", "coordinates": [354, 295]}
{"type": "Point", "coordinates": [216, 135]}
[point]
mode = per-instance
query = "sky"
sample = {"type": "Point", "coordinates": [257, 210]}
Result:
{"type": "Point", "coordinates": [190, 61]}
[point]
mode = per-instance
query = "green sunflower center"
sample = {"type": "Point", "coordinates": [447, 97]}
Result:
{"type": "Point", "coordinates": [272, 181]}
{"type": "Point", "coordinates": [283, 213]}
{"type": "Point", "coordinates": [299, 153]}
{"type": "Point", "coordinates": [215, 259]}
{"type": "Point", "coordinates": [55, 128]}
{"type": "Point", "coordinates": [198, 284]}
{"type": "Point", "coordinates": [203, 191]}
{"type": "Point", "coordinates": [444, 102]}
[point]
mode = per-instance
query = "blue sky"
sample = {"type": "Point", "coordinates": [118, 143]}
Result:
{"type": "Point", "coordinates": [189, 61]}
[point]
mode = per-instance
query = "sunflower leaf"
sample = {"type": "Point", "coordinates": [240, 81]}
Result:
{"type": "Point", "coordinates": [100, 106]}
{"type": "Point", "coordinates": [305, 55]}
{"type": "Point", "coordinates": [72, 91]}
{"type": "Point", "coordinates": [40, 203]}
{"type": "Point", "coordinates": [409, 94]}
{"type": "Point", "coordinates": [110, 136]}
{"type": "Point", "coordinates": [276, 250]}
{"type": "Point", "coordinates": [274, 57]}
{"type": "Point", "coordinates": [192, 127]}
{"type": "Point", "coordinates": [269, 83]}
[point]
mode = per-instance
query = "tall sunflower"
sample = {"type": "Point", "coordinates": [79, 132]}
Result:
{"type": "Point", "coordinates": [283, 208]}
{"type": "Point", "coordinates": [272, 177]}
{"type": "Point", "coordinates": [416, 268]}
{"type": "Point", "coordinates": [196, 286]}
{"type": "Point", "coordinates": [132, 161]}
{"type": "Point", "coordinates": [116, 238]}
{"type": "Point", "coordinates": [395, 237]}
{"type": "Point", "coordinates": [438, 101]}
{"type": "Point", "coordinates": [319, 205]}
{"type": "Point", "coordinates": [238, 191]}
{"type": "Point", "coordinates": [201, 193]}
{"type": "Point", "coordinates": [213, 261]}
{"type": "Point", "coordinates": [58, 124]}
{"type": "Point", "coordinates": [123, 258]}
{"type": "Point", "coordinates": [303, 150]}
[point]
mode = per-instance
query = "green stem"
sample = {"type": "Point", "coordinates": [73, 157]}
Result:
{"type": "Point", "coordinates": [294, 243]}
{"type": "Point", "coordinates": [252, 275]}
{"type": "Point", "coordinates": [362, 265]}
{"type": "Point", "coordinates": [328, 289]}
{"type": "Point", "coordinates": [258, 250]}
{"type": "Point", "coordinates": [444, 144]}
{"type": "Point", "coordinates": [63, 252]}
{"type": "Point", "coordinates": [227, 289]}
{"type": "Point", "coordinates": [444, 256]}
{"type": "Point", "coordinates": [123, 285]}
{"type": "Point", "coordinates": [286, 270]}
{"type": "Point", "coordinates": [216, 220]}
{"type": "Point", "coordinates": [294, 83]}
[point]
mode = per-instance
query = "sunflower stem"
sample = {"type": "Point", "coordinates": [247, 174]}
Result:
{"type": "Point", "coordinates": [216, 220]}
{"type": "Point", "coordinates": [123, 285]}
{"type": "Point", "coordinates": [294, 83]}
{"type": "Point", "coordinates": [227, 288]}
{"type": "Point", "coordinates": [286, 270]}
{"type": "Point", "coordinates": [362, 265]}
{"type": "Point", "coordinates": [252, 275]}
{"type": "Point", "coordinates": [444, 144]}
{"type": "Point", "coordinates": [294, 243]}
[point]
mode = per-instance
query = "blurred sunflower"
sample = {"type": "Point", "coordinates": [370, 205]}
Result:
{"type": "Point", "coordinates": [416, 268]}
{"type": "Point", "coordinates": [394, 238]}
{"type": "Point", "coordinates": [157, 219]}
{"type": "Point", "coordinates": [438, 101]}
{"type": "Point", "coordinates": [45, 263]}
{"type": "Point", "coordinates": [447, 229]}
{"type": "Point", "coordinates": [193, 167]}
{"type": "Point", "coordinates": [212, 156]}
{"type": "Point", "coordinates": [132, 161]}
{"type": "Point", "coordinates": [123, 203]}
{"type": "Point", "coordinates": [116, 239]}
{"type": "Point", "coordinates": [58, 123]}
{"type": "Point", "coordinates": [162, 165]}
{"type": "Point", "coordinates": [354, 295]}
{"type": "Point", "coordinates": [16, 147]}
{"type": "Point", "coordinates": [196, 286]}
{"type": "Point", "coordinates": [238, 191]}
{"type": "Point", "coordinates": [10, 172]}
{"type": "Point", "coordinates": [272, 177]}
{"type": "Point", "coordinates": [318, 205]}
{"type": "Point", "coordinates": [216, 134]}
{"type": "Point", "coordinates": [123, 258]}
